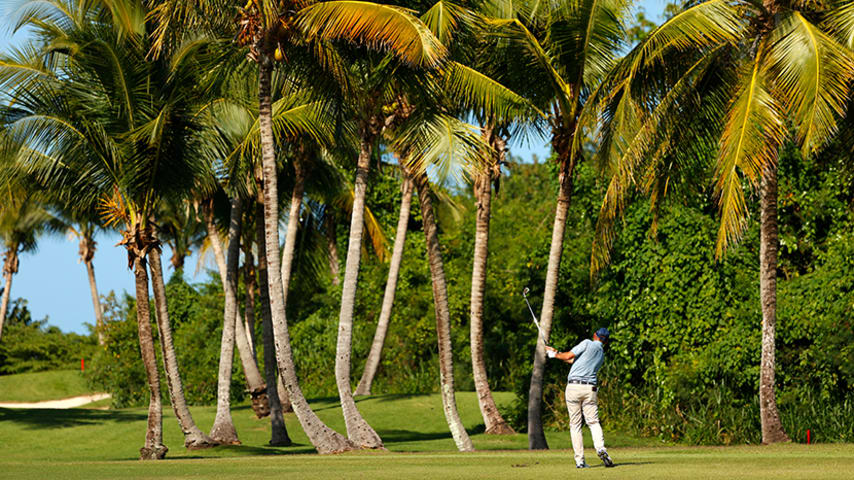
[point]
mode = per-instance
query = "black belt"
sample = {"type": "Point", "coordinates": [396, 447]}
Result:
{"type": "Point", "coordinates": [581, 382]}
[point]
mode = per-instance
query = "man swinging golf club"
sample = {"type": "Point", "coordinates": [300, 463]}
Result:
{"type": "Point", "coordinates": [581, 398]}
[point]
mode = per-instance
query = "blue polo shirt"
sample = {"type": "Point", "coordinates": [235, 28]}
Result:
{"type": "Point", "coordinates": [589, 356]}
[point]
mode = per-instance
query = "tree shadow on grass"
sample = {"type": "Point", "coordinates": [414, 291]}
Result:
{"type": "Point", "coordinates": [406, 436]}
{"type": "Point", "coordinates": [325, 403]}
{"type": "Point", "coordinates": [42, 418]}
{"type": "Point", "coordinates": [236, 451]}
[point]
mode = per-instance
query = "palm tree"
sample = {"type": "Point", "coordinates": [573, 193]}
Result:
{"type": "Point", "coordinates": [273, 30]}
{"type": "Point", "coordinates": [22, 219]}
{"type": "Point", "coordinates": [493, 66]}
{"type": "Point", "coordinates": [84, 230]}
{"type": "Point", "coordinates": [240, 337]}
{"type": "Point", "coordinates": [98, 133]}
{"type": "Point", "coordinates": [466, 90]}
{"type": "Point", "coordinates": [194, 438]}
{"type": "Point", "coordinates": [753, 75]}
{"type": "Point", "coordinates": [223, 430]}
{"type": "Point", "coordinates": [430, 137]}
{"type": "Point", "coordinates": [180, 230]}
{"type": "Point", "coordinates": [565, 67]}
{"type": "Point", "coordinates": [483, 182]}
{"type": "Point", "coordinates": [374, 355]}
{"type": "Point", "coordinates": [279, 433]}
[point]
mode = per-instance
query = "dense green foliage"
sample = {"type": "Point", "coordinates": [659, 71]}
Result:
{"type": "Point", "coordinates": [32, 345]}
{"type": "Point", "coordinates": [196, 316]}
{"type": "Point", "coordinates": [684, 360]}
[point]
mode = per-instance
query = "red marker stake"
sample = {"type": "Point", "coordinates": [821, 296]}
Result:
{"type": "Point", "coordinates": [808, 436]}
{"type": "Point", "coordinates": [83, 367]}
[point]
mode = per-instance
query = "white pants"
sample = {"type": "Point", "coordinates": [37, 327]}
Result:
{"type": "Point", "coordinates": [582, 399]}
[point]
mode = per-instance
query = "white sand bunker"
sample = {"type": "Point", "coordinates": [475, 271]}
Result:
{"type": "Point", "coordinates": [61, 403]}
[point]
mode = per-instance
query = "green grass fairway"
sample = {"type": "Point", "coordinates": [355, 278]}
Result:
{"type": "Point", "coordinates": [40, 386]}
{"type": "Point", "coordinates": [92, 444]}
{"type": "Point", "coordinates": [786, 462]}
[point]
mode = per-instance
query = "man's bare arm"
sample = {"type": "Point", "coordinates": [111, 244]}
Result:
{"type": "Point", "coordinates": [567, 357]}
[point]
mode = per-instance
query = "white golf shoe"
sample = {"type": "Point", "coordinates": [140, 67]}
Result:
{"type": "Point", "coordinates": [606, 459]}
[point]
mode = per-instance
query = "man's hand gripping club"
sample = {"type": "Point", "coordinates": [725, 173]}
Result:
{"type": "Point", "coordinates": [567, 357]}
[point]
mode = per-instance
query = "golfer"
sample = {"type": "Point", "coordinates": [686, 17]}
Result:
{"type": "Point", "coordinates": [586, 358]}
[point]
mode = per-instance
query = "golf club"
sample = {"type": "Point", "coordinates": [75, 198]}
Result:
{"type": "Point", "coordinates": [542, 337]}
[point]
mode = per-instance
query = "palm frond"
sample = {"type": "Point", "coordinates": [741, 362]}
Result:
{"type": "Point", "coordinates": [379, 26]}
{"type": "Point", "coordinates": [517, 32]}
{"type": "Point", "coordinates": [839, 21]}
{"type": "Point", "coordinates": [812, 75]}
{"type": "Point", "coordinates": [454, 148]}
{"type": "Point", "coordinates": [753, 131]}
{"type": "Point", "coordinates": [445, 18]}
{"type": "Point", "coordinates": [479, 92]}
{"type": "Point", "coordinates": [699, 27]}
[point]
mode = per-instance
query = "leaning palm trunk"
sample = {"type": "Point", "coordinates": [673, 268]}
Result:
{"type": "Point", "coordinates": [324, 439]}
{"type": "Point", "coordinates": [288, 253]}
{"type": "Point", "coordinates": [279, 433]}
{"type": "Point", "coordinates": [536, 437]}
{"type": "Point", "coordinates": [249, 305]}
{"type": "Point", "coordinates": [293, 224]}
{"type": "Point", "coordinates": [375, 354]}
{"type": "Point", "coordinates": [492, 419]}
{"type": "Point", "coordinates": [87, 252]}
{"type": "Point", "coordinates": [4, 306]}
{"type": "Point", "coordinates": [223, 430]}
{"type": "Point", "coordinates": [194, 439]}
{"type": "Point", "coordinates": [772, 428]}
{"type": "Point", "coordinates": [443, 317]}
{"type": "Point", "coordinates": [257, 389]}
{"type": "Point", "coordinates": [332, 247]}
{"type": "Point", "coordinates": [358, 429]}
{"type": "Point", "coordinates": [10, 267]}
{"type": "Point", "coordinates": [153, 449]}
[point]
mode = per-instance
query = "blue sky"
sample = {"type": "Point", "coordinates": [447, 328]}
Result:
{"type": "Point", "coordinates": [55, 284]}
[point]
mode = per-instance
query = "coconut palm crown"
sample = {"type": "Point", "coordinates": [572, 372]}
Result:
{"type": "Point", "coordinates": [738, 79]}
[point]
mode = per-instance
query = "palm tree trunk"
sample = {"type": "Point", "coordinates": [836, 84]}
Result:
{"type": "Point", "coordinates": [279, 433]}
{"type": "Point", "coordinates": [194, 439]}
{"type": "Point", "coordinates": [374, 355]}
{"type": "Point", "coordinates": [223, 430]}
{"type": "Point", "coordinates": [358, 429]}
{"type": "Point", "coordinates": [7, 289]}
{"type": "Point", "coordinates": [324, 439]}
{"type": "Point", "coordinates": [251, 372]}
{"type": "Point", "coordinates": [153, 449]}
{"type": "Point", "coordinates": [492, 419]}
{"type": "Point", "coordinates": [284, 396]}
{"type": "Point", "coordinates": [443, 317]}
{"type": "Point", "coordinates": [87, 252]}
{"type": "Point", "coordinates": [288, 253]}
{"type": "Point", "coordinates": [536, 437]}
{"type": "Point", "coordinates": [332, 246]}
{"type": "Point", "coordinates": [293, 225]}
{"type": "Point", "coordinates": [254, 380]}
{"type": "Point", "coordinates": [249, 308]}
{"type": "Point", "coordinates": [772, 428]}
{"type": "Point", "coordinates": [96, 302]}
{"type": "Point", "coordinates": [213, 236]}
{"type": "Point", "coordinates": [177, 260]}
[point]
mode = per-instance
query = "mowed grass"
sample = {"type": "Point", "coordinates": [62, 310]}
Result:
{"type": "Point", "coordinates": [41, 386]}
{"type": "Point", "coordinates": [93, 444]}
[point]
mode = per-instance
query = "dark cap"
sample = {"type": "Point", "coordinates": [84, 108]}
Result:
{"type": "Point", "coordinates": [603, 334]}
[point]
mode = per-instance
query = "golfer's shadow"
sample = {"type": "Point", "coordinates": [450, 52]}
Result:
{"type": "Point", "coordinates": [622, 464]}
